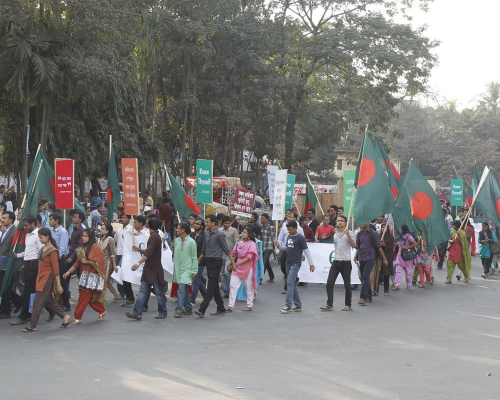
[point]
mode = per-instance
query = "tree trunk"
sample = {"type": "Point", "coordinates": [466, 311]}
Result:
{"type": "Point", "coordinates": [184, 135]}
{"type": "Point", "coordinates": [16, 162]}
{"type": "Point", "coordinates": [26, 121]}
{"type": "Point", "coordinates": [81, 180]}
{"type": "Point", "coordinates": [42, 127]}
{"type": "Point", "coordinates": [191, 148]}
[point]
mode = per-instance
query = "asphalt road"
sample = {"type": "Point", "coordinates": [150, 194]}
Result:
{"type": "Point", "coordinates": [441, 342]}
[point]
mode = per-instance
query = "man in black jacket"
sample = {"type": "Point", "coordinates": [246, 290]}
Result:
{"type": "Point", "coordinates": [313, 222]}
{"type": "Point", "coordinates": [9, 229]}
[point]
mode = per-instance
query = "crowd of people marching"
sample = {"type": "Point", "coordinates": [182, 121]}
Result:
{"type": "Point", "coordinates": [216, 257]}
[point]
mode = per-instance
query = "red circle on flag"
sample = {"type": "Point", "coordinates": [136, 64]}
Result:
{"type": "Point", "coordinates": [468, 199]}
{"type": "Point", "coordinates": [394, 191]}
{"type": "Point", "coordinates": [366, 171]}
{"type": "Point", "coordinates": [421, 205]}
{"type": "Point", "coordinates": [497, 206]}
{"type": "Point", "coordinates": [192, 205]}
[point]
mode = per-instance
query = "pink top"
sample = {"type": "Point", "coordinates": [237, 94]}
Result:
{"type": "Point", "coordinates": [408, 241]}
{"type": "Point", "coordinates": [249, 250]}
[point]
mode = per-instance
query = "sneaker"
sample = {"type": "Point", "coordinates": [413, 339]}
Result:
{"type": "Point", "coordinates": [296, 309]}
{"type": "Point", "coordinates": [193, 304]}
{"type": "Point", "coordinates": [199, 314]}
{"type": "Point", "coordinates": [283, 292]}
{"type": "Point", "coordinates": [144, 308]}
{"type": "Point", "coordinates": [161, 316]}
{"type": "Point", "coordinates": [285, 310]}
{"type": "Point", "coordinates": [133, 316]}
{"type": "Point", "coordinates": [485, 276]}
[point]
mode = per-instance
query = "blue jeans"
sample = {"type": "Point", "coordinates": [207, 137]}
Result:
{"type": "Point", "coordinates": [365, 267]}
{"type": "Point", "coordinates": [183, 299]}
{"type": "Point", "coordinates": [198, 285]}
{"type": "Point", "coordinates": [145, 292]}
{"type": "Point", "coordinates": [292, 293]}
{"type": "Point", "coordinates": [225, 277]}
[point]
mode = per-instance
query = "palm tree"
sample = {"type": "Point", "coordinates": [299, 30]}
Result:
{"type": "Point", "coordinates": [491, 99]}
{"type": "Point", "coordinates": [33, 77]}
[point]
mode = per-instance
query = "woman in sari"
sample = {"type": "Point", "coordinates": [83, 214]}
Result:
{"type": "Point", "coordinates": [92, 283]}
{"type": "Point", "coordinates": [108, 247]}
{"type": "Point", "coordinates": [48, 279]}
{"type": "Point", "coordinates": [459, 236]}
{"type": "Point", "coordinates": [245, 270]}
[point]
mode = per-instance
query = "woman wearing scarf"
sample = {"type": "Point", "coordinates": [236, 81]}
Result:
{"type": "Point", "coordinates": [245, 271]}
{"type": "Point", "coordinates": [92, 283]}
{"type": "Point", "coordinates": [108, 247]}
{"type": "Point", "coordinates": [259, 271]}
{"type": "Point", "coordinates": [486, 237]}
{"type": "Point", "coordinates": [48, 279]}
{"type": "Point", "coordinates": [405, 265]}
{"type": "Point", "coordinates": [458, 236]}
{"type": "Point", "coordinates": [424, 265]}
{"type": "Point", "coordinates": [387, 243]}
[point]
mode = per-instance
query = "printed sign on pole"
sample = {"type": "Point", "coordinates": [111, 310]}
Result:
{"type": "Point", "coordinates": [64, 171]}
{"type": "Point", "coordinates": [290, 183]}
{"type": "Point", "coordinates": [457, 193]}
{"type": "Point", "coordinates": [348, 188]}
{"type": "Point", "coordinates": [204, 181]}
{"type": "Point", "coordinates": [130, 176]}
{"type": "Point", "coordinates": [243, 202]}
{"type": "Point", "coordinates": [279, 195]}
{"type": "Point", "coordinates": [271, 178]}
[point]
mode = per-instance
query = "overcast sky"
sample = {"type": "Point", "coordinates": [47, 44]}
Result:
{"type": "Point", "coordinates": [469, 51]}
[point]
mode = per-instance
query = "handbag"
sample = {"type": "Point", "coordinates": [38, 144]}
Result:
{"type": "Point", "coordinates": [408, 254]}
{"type": "Point", "coordinates": [91, 282]}
{"type": "Point", "coordinates": [495, 248]}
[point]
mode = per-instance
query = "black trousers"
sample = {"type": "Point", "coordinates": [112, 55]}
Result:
{"type": "Point", "coordinates": [344, 268]}
{"type": "Point", "coordinates": [30, 275]}
{"type": "Point", "coordinates": [63, 268]}
{"type": "Point", "coordinates": [214, 265]}
{"type": "Point", "coordinates": [266, 255]}
{"type": "Point", "coordinates": [442, 253]}
{"type": "Point", "coordinates": [129, 293]}
{"type": "Point", "coordinates": [8, 296]}
{"type": "Point", "coordinates": [283, 265]}
{"type": "Point", "coordinates": [487, 264]}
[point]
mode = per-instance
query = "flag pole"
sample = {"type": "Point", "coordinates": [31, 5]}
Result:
{"type": "Point", "coordinates": [321, 208]}
{"type": "Point", "coordinates": [474, 199]}
{"type": "Point", "coordinates": [386, 225]}
{"type": "Point", "coordinates": [110, 145]}
{"type": "Point", "coordinates": [350, 207]}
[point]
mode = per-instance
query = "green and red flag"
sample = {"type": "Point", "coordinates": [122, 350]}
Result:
{"type": "Point", "coordinates": [358, 165]}
{"type": "Point", "coordinates": [469, 195]}
{"type": "Point", "coordinates": [379, 149]}
{"type": "Point", "coordinates": [402, 214]}
{"type": "Point", "coordinates": [426, 210]}
{"type": "Point", "coordinates": [113, 195]}
{"type": "Point", "coordinates": [182, 202]}
{"type": "Point", "coordinates": [373, 197]}
{"type": "Point", "coordinates": [477, 178]}
{"type": "Point", "coordinates": [311, 198]}
{"type": "Point", "coordinates": [488, 199]}
{"type": "Point", "coordinates": [393, 183]}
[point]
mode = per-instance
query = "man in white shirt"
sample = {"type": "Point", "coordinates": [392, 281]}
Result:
{"type": "Point", "coordinates": [30, 267]}
{"type": "Point", "coordinates": [282, 240]}
{"type": "Point", "coordinates": [126, 227]}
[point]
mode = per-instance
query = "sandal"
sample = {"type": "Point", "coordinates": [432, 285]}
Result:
{"type": "Point", "coordinates": [447, 281]}
{"type": "Point", "coordinates": [28, 329]}
{"type": "Point", "coordinates": [467, 280]}
{"type": "Point", "coordinates": [126, 304]}
{"type": "Point", "coordinates": [395, 288]}
{"type": "Point", "coordinates": [177, 315]}
{"type": "Point", "coordinates": [326, 308]}
{"type": "Point", "coordinates": [65, 324]}
{"type": "Point", "coordinates": [421, 287]}
{"type": "Point", "coordinates": [76, 322]}
{"type": "Point", "coordinates": [247, 309]}
{"type": "Point", "coordinates": [230, 309]}
{"type": "Point", "coordinates": [408, 288]}
{"type": "Point", "coordinates": [361, 302]}
{"type": "Point", "coordinates": [347, 308]}
{"type": "Point", "coordinates": [116, 300]}
{"type": "Point", "coordinates": [270, 281]}
{"type": "Point", "coordinates": [432, 282]}
{"type": "Point", "coordinates": [101, 316]}
{"type": "Point", "coordinates": [386, 293]}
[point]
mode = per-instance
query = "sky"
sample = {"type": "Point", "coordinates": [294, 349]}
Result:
{"type": "Point", "coordinates": [468, 53]}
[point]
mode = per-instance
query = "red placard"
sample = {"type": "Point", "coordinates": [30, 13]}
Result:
{"type": "Point", "coordinates": [64, 183]}
{"type": "Point", "coordinates": [243, 202]}
{"type": "Point", "coordinates": [130, 177]}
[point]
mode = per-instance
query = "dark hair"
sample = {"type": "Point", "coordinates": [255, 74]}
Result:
{"type": "Point", "coordinates": [265, 215]}
{"type": "Point", "coordinates": [80, 214]}
{"type": "Point", "coordinates": [295, 215]}
{"type": "Point", "coordinates": [325, 216]}
{"type": "Point", "coordinates": [39, 218]}
{"type": "Point", "coordinates": [289, 210]}
{"type": "Point", "coordinates": [126, 215]}
{"type": "Point", "coordinates": [154, 224]}
{"type": "Point", "coordinates": [212, 218]}
{"type": "Point", "coordinates": [185, 227]}
{"type": "Point", "coordinates": [456, 224]}
{"type": "Point", "coordinates": [46, 232]}
{"type": "Point", "coordinates": [292, 224]}
{"type": "Point", "coordinates": [343, 217]}
{"type": "Point", "coordinates": [109, 228]}
{"type": "Point", "coordinates": [226, 218]}
{"type": "Point", "coordinates": [92, 192]}
{"type": "Point", "coordinates": [312, 210]}
{"type": "Point", "coordinates": [141, 219]}
{"type": "Point", "coordinates": [340, 208]}
{"type": "Point", "coordinates": [250, 226]}
{"type": "Point", "coordinates": [303, 218]}
{"type": "Point", "coordinates": [42, 202]}
{"type": "Point", "coordinates": [2, 186]}
{"type": "Point", "coordinates": [150, 216]}
{"type": "Point", "coordinates": [30, 219]}
{"type": "Point", "coordinates": [201, 220]}
{"type": "Point", "coordinates": [194, 215]}
{"type": "Point", "coordinates": [147, 192]}
{"type": "Point", "coordinates": [220, 217]}
{"type": "Point", "coordinates": [11, 215]}
{"type": "Point", "coordinates": [13, 198]}
{"type": "Point", "coordinates": [405, 229]}
{"type": "Point", "coordinates": [334, 207]}
{"type": "Point", "coordinates": [166, 200]}
{"type": "Point", "coordinates": [251, 233]}
{"type": "Point", "coordinates": [91, 234]}
{"type": "Point", "coordinates": [56, 217]}
{"type": "Point", "coordinates": [487, 225]}
{"type": "Point", "coordinates": [255, 215]}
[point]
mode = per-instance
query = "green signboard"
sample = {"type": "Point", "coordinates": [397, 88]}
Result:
{"type": "Point", "coordinates": [457, 193]}
{"type": "Point", "coordinates": [290, 183]}
{"type": "Point", "coordinates": [348, 189]}
{"type": "Point", "coordinates": [204, 181]}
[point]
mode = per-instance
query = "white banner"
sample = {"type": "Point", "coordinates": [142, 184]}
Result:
{"type": "Point", "coordinates": [279, 195]}
{"type": "Point", "coordinates": [322, 255]}
{"type": "Point", "coordinates": [271, 178]}
{"type": "Point", "coordinates": [166, 258]}
{"type": "Point", "coordinates": [131, 257]}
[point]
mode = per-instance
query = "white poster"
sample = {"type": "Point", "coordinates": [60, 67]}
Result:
{"type": "Point", "coordinates": [166, 258]}
{"type": "Point", "coordinates": [118, 276]}
{"type": "Point", "coordinates": [279, 195]}
{"type": "Point", "coordinates": [271, 177]}
{"type": "Point", "coordinates": [322, 255]}
{"type": "Point", "coordinates": [131, 257]}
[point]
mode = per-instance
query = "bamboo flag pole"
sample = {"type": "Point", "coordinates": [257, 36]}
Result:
{"type": "Point", "coordinates": [475, 197]}
{"type": "Point", "coordinates": [386, 225]}
{"type": "Point", "coordinates": [321, 208]}
{"type": "Point", "coordinates": [350, 208]}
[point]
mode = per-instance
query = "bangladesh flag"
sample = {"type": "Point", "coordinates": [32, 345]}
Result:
{"type": "Point", "coordinates": [358, 165]}
{"type": "Point", "coordinates": [425, 208]}
{"type": "Point", "coordinates": [469, 195]}
{"type": "Point", "coordinates": [402, 214]}
{"type": "Point", "coordinates": [182, 202]}
{"type": "Point", "coordinates": [113, 194]}
{"type": "Point", "coordinates": [393, 183]}
{"type": "Point", "coordinates": [311, 198]}
{"type": "Point", "coordinates": [477, 178]}
{"type": "Point", "coordinates": [488, 199]}
{"type": "Point", "coordinates": [379, 149]}
{"type": "Point", "coordinates": [373, 197]}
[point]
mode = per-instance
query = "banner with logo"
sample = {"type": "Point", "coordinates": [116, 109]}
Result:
{"type": "Point", "coordinates": [64, 171]}
{"type": "Point", "coordinates": [130, 176]}
{"type": "Point", "coordinates": [322, 255]}
{"type": "Point", "coordinates": [279, 195]}
{"type": "Point", "coordinates": [290, 183]}
{"type": "Point", "coordinates": [204, 181]}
